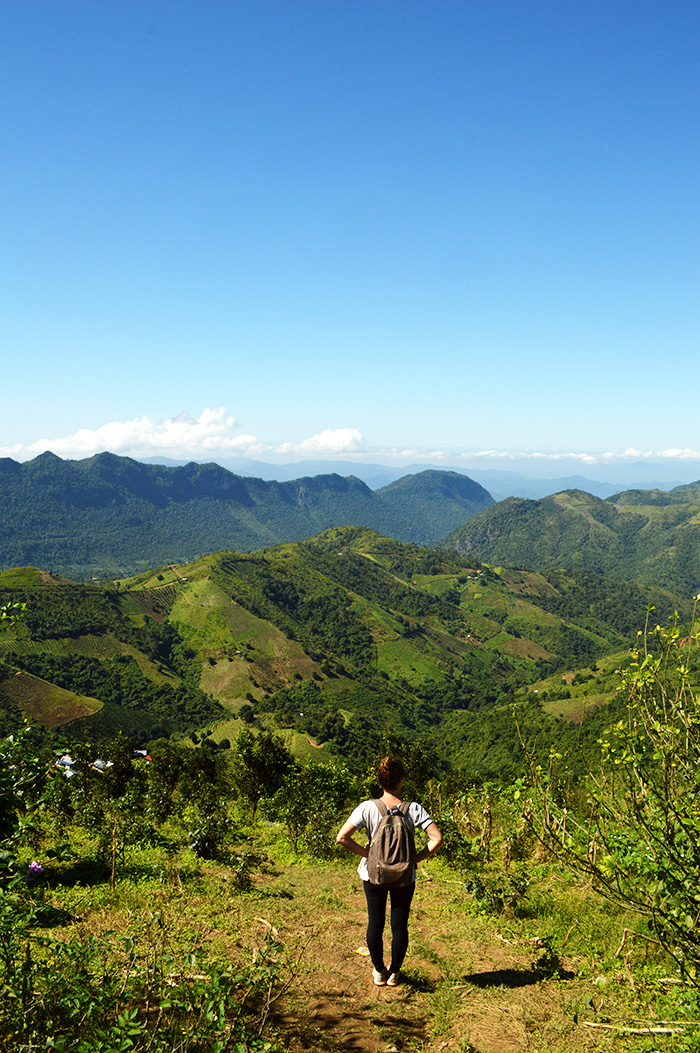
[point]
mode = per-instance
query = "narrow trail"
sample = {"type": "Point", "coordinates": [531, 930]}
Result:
{"type": "Point", "coordinates": [467, 987]}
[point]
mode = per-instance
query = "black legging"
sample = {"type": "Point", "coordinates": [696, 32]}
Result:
{"type": "Point", "coordinates": [376, 913]}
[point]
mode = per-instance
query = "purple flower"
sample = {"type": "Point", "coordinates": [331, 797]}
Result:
{"type": "Point", "coordinates": [35, 871]}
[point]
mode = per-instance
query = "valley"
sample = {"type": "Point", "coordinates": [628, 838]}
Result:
{"type": "Point", "coordinates": [335, 641]}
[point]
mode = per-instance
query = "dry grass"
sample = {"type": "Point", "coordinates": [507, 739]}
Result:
{"type": "Point", "coordinates": [45, 703]}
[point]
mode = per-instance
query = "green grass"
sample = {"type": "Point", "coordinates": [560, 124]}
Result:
{"type": "Point", "coordinates": [227, 729]}
{"type": "Point", "coordinates": [401, 658]}
{"type": "Point", "coordinates": [439, 584]}
{"type": "Point", "coordinates": [205, 594]}
{"type": "Point", "coordinates": [243, 625]}
{"type": "Point", "coordinates": [22, 578]}
{"type": "Point", "coordinates": [229, 681]}
{"type": "Point", "coordinates": [302, 748]}
{"type": "Point", "coordinates": [470, 974]}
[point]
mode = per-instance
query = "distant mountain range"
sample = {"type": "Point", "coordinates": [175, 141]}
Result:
{"type": "Point", "coordinates": [646, 536]}
{"type": "Point", "coordinates": [109, 516]}
{"type": "Point", "coordinates": [517, 480]}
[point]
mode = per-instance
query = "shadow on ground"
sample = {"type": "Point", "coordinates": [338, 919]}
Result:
{"type": "Point", "coordinates": [514, 977]}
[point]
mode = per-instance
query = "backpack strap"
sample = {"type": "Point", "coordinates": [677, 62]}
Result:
{"type": "Point", "coordinates": [383, 810]}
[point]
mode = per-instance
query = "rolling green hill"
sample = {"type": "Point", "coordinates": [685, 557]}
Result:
{"type": "Point", "coordinates": [651, 537]}
{"type": "Point", "coordinates": [337, 640]}
{"type": "Point", "coordinates": [109, 516]}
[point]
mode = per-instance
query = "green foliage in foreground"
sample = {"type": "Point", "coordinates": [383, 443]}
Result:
{"type": "Point", "coordinates": [636, 834]}
{"type": "Point", "coordinates": [112, 992]}
{"type": "Point", "coordinates": [151, 982]}
{"type": "Point", "coordinates": [634, 830]}
{"type": "Point", "coordinates": [117, 994]}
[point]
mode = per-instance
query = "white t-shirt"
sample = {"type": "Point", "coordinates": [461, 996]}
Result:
{"type": "Point", "coordinates": [366, 817]}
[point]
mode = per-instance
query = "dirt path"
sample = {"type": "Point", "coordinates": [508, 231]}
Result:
{"type": "Point", "coordinates": [467, 988]}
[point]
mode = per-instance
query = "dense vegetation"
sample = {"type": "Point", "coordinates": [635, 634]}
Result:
{"type": "Point", "coordinates": [69, 610]}
{"type": "Point", "coordinates": [332, 642]}
{"type": "Point", "coordinates": [132, 891]}
{"type": "Point", "coordinates": [119, 682]}
{"type": "Point", "coordinates": [648, 537]}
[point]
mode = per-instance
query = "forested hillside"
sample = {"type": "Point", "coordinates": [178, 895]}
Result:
{"type": "Point", "coordinates": [109, 516]}
{"type": "Point", "coordinates": [334, 641]}
{"type": "Point", "coordinates": [648, 536]}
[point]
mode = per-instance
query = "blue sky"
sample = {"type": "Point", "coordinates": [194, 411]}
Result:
{"type": "Point", "coordinates": [381, 229]}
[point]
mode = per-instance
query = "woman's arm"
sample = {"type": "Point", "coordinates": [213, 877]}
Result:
{"type": "Point", "coordinates": [434, 842]}
{"type": "Point", "coordinates": [345, 839]}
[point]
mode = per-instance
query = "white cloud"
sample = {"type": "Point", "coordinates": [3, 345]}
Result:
{"type": "Point", "coordinates": [212, 433]}
{"type": "Point", "coordinates": [680, 455]}
{"type": "Point", "coordinates": [529, 455]}
{"type": "Point", "coordinates": [334, 441]}
{"type": "Point", "coordinates": [610, 456]}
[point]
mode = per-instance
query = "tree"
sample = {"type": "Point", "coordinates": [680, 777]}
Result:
{"type": "Point", "coordinates": [11, 614]}
{"type": "Point", "coordinates": [310, 803]}
{"type": "Point", "coordinates": [637, 835]}
{"type": "Point", "coordinates": [261, 763]}
{"type": "Point", "coordinates": [22, 770]}
{"type": "Point", "coordinates": [23, 776]}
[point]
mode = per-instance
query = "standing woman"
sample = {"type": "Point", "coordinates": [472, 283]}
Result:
{"type": "Point", "coordinates": [391, 774]}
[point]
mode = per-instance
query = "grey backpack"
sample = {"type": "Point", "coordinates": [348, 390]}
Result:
{"type": "Point", "coordinates": [392, 850]}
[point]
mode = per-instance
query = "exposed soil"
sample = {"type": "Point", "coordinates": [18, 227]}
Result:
{"type": "Point", "coordinates": [466, 987]}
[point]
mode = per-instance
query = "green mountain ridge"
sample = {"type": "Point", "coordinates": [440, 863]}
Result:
{"type": "Point", "coordinates": [651, 537]}
{"type": "Point", "coordinates": [109, 516]}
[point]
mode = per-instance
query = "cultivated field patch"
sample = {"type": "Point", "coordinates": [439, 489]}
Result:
{"type": "Point", "coordinates": [242, 624]}
{"type": "Point", "coordinates": [45, 703]}
{"type": "Point", "coordinates": [228, 680]}
{"type": "Point", "coordinates": [523, 648]}
{"type": "Point", "coordinates": [401, 658]}
{"type": "Point", "coordinates": [280, 660]}
{"type": "Point", "coordinates": [574, 709]}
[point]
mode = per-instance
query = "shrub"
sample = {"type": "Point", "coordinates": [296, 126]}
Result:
{"type": "Point", "coordinates": [637, 836]}
{"type": "Point", "coordinates": [498, 893]}
{"type": "Point", "coordinates": [309, 804]}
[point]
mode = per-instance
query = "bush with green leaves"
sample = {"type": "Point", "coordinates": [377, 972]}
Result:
{"type": "Point", "coordinates": [206, 830]}
{"type": "Point", "coordinates": [636, 835]}
{"type": "Point", "coordinates": [497, 892]}
{"type": "Point", "coordinates": [310, 804]}
{"type": "Point", "coordinates": [23, 777]}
